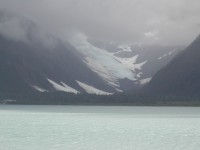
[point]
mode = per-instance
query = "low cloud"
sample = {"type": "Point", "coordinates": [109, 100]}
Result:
{"type": "Point", "coordinates": [166, 22]}
{"type": "Point", "coordinates": [12, 27]}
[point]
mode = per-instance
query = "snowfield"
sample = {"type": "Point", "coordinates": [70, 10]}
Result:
{"type": "Point", "coordinates": [108, 66]}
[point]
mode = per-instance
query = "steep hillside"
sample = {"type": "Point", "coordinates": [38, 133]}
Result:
{"type": "Point", "coordinates": [32, 60]}
{"type": "Point", "coordinates": [181, 76]}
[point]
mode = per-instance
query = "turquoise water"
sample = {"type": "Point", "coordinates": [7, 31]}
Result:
{"type": "Point", "coordinates": [99, 128]}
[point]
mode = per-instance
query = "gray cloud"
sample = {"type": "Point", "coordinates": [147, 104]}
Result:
{"type": "Point", "coordinates": [173, 22]}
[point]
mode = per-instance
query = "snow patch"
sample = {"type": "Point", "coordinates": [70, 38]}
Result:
{"type": "Point", "coordinates": [124, 48]}
{"type": "Point", "coordinates": [39, 89]}
{"type": "Point", "coordinates": [167, 54]}
{"type": "Point", "coordinates": [92, 90]}
{"type": "Point", "coordinates": [130, 63]}
{"type": "Point", "coordinates": [70, 89]}
{"type": "Point", "coordinates": [145, 81]}
{"type": "Point", "coordinates": [63, 87]}
{"type": "Point", "coordinates": [119, 90]}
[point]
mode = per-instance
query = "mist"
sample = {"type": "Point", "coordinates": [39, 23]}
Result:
{"type": "Point", "coordinates": [166, 22]}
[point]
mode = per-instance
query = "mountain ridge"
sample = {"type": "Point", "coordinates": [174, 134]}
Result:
{"type": "Point", "coordinates": [34, 60]}
{"type": "Point", "coordinates": [181, 75]}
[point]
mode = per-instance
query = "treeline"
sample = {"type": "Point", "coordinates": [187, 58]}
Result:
{"type": "Point", "coordinates": [62, 98]}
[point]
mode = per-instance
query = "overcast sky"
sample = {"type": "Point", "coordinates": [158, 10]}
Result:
{"type": "Point", "coordinates": [168, 22]}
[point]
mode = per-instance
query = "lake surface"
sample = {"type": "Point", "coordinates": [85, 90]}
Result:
{"type": "Point", "coordinates": [99, 128]}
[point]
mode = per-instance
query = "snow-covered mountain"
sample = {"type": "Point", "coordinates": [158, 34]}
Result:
{"type": "Point", "coordinates": [122, 66]}
{"type": "Point", "coordinates": [33, 60]}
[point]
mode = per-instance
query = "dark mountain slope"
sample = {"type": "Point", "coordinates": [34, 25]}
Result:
{"type": "Point", "coordinates": [181, 76]}
{"type": "Point", "coordinates": [23, 65]}
{"type": "Point", "coordinates": [31, 58]}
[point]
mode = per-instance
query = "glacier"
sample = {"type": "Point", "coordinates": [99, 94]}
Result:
{"type": "Point", "coordinates": [108, 66]}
